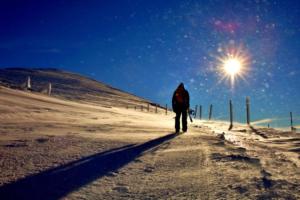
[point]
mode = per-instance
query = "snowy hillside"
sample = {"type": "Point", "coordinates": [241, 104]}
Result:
{"type": "Point", "coordinates": [55, 148]}
{"type": "Point", "coordinates": [68, 86]}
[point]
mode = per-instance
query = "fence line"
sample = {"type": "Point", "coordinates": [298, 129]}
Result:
{"type": "Point", "coordinates": [210, 114]}
{"type": "Point", "coordinates": [28, 86]}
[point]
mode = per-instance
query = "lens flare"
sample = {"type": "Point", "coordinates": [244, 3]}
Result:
{"type": "Point", "coordinates": [233, 64]}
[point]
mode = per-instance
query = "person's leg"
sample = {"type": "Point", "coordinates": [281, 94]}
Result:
{"type": "Point", "coordinates": [177, 121]}
{"type": "Point", "coordinates": [184, 120]}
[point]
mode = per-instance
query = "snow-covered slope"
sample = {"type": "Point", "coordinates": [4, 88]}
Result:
{"type": "Point", "coordinates": [69, 86]}
{"type": "Point", "coordinates": [38, 131]}
{"type": "Point", "coordinates": [55, 148]}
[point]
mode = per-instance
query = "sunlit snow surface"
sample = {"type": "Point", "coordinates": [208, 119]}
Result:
{"type": "Point", "coordinates": [53, 148]}
{"type": "Point", "coordinates": [253, 138]}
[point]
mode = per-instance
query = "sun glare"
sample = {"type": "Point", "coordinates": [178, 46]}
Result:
{"type": "Point", "coordinates": [233, 64]}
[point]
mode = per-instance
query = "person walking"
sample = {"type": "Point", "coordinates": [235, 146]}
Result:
{"type": "Point", "coordinates": [181, 105]}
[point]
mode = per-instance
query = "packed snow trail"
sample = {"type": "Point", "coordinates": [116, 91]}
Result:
{"type": "Point", "coordinates": [193, 165]}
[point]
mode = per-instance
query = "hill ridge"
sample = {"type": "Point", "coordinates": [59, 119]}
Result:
{"type": "Point", "coordinates": [69, 85]}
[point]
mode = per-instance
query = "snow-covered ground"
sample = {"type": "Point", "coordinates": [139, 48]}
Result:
{"type": "Point", "coordinates": [57, 149]}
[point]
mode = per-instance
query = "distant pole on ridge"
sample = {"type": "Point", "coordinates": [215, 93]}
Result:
{"type": "Point", "coordinates": [155, 108]}
{"type": "Point", "coordinates": [210, 111]}
{"type": "Point", "coordinates": [248, 109]}
{"type": "Point", "coordinates": [195, 114]}
{"type": "Point", "coordinates": [28, 84]}
{"type": "Point", "coordinates": [148, 108]}
{"type": "Point", "coordinates": [49, 89]}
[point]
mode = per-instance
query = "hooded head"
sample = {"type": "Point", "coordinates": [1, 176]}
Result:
{"type": "Point", "coordinates": [181, 86]}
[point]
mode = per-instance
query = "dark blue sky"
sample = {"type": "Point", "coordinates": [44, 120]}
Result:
{"type": "Point", "coordinates": [148, 47]}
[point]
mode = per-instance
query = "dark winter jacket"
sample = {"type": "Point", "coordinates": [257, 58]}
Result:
{"type": "Point", "coordinates": [181, 99]}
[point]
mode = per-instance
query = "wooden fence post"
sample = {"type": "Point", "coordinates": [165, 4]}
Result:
{"type": "Point", "coordinates": [248, 109]}
{"type": "Point", "coordinates": [195, 114]}
{"type": "Point", "coordinates": [231, 115]}
{"type": "Point", "coordinates": [155, 108]}
{"type": "Point", "coordinates": [141, 107]}
{"type": "Point", "coordinates": [166, 109]}
{"type": "Point", "coordinates": [210, 111]}
{"type": "Point", "coordinates": [292, 126]}
{"type": "Point", "coordinates": [200, 112]}
{"type": "Point", "coordinates": [148, 108]}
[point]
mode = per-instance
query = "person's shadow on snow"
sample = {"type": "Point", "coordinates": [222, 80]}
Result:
{"type": "Point", "coordinates": [58, 182]}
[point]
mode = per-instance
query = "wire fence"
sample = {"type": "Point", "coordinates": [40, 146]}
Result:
{"type": "Point", "coordinates": [197, 113]}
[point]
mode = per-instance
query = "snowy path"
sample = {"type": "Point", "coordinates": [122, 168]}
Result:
{"type": "Point", "coordinates": [195, 165]}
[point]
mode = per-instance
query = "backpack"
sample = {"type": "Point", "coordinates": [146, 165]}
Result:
{"type": "Point", "coordinates": [179, 97]}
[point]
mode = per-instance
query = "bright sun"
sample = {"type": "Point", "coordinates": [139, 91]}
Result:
{"type": "Point", "coordinates": [233, 64]}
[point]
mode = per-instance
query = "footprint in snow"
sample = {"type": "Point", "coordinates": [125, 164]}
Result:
{"type": "Point", "coordinates": [121, 188]}
{"type": "Point", "coordinates": [149, 169]}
